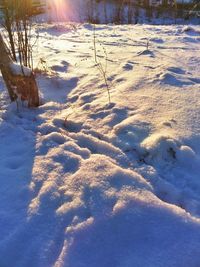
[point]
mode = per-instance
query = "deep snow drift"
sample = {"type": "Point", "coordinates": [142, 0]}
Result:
{"type": "Point", "coordinates": [86, 183]}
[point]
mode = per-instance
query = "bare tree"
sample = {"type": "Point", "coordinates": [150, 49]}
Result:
{"type": "Point", "coordinates": [16, 19]}
{"type": "Point", "coordinates": [19, 80]}
{"type": "Point", "coordinates": [130, 11]}
{"type": "Point", "coordinates": [118, 15]}
{"type": "Point", "coordinates": [105, 11]}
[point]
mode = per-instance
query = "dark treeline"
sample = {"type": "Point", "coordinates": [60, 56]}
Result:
{"type": "Point", "coordinates": [135, 11]}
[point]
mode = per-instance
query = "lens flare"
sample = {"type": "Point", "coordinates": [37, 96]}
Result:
{"type": "Point", "coordinates": [58, 10]}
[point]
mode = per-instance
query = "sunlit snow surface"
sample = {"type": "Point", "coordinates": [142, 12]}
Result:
{"type": "Point", "coordinates": [85, 183]}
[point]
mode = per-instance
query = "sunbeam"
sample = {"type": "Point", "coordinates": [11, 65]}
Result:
{"type": "Point", "coordinates": [58, 10]}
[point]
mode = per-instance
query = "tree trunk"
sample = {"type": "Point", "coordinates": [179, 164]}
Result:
{"type": "Point", "coordinates": [19, 80]}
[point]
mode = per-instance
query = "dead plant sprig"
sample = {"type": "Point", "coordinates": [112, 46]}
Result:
{"type": "Point", "coordinates": [101, 67]}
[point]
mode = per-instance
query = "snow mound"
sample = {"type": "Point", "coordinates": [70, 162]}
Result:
{"type": "Point", "coordinates": [132, 232]}
{"type": "Point", "coordinates": [159, 147]}
{"type": "Point", "coordinates": [191, 30]}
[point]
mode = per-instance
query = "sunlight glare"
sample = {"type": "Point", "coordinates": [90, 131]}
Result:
{"type": "Point", "coordinates": [58, 10]}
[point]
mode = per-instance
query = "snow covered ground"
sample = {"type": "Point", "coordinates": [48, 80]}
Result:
{"type": "Point", "coordinates": [87, 183]}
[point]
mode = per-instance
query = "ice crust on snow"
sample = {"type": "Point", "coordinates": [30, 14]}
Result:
{"type": "Point", "coordinates": [87, 183]}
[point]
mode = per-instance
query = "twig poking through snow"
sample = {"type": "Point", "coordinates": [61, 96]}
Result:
{"type": "Point", "coordinates": [102, 69]}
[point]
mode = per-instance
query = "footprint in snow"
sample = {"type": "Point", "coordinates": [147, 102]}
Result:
{"type": "Point", "coordinates": [194, 80]}
{"type": "Point", "coordinates": [146, 53]}
{"type": "Point", "coordinates": [176, 70]}
{"type": "Point", "coordinates": [170, 79]}
{"type": "Point", "coordinates": [71, 126]}
{"type": "Point", "coordinates": [14, 164]}
{"type": "Point", "coordinates": [128, 66]}
{"type": "Point", "coordinates": [157, 40]}
{"type": "Point", "coordinates": [69, 161]}
{"type": "Point", "coordinates": [60, 68]}
{"type": "Point", "coordinates": [87, 98]}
